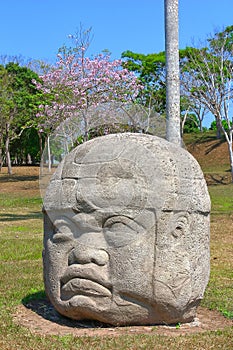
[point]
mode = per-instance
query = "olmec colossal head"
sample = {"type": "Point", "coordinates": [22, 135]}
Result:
{"type": "Point", "coordinates": [126, 232]}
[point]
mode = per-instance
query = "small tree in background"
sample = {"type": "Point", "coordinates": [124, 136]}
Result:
{"type": "Point", "coordinates": [18, 104]}
{"type": "Point", "coordinates": [78, 82]}
{"type": "Point", "coordinates": [150, 70]}
{"type": "Point", "coordinates": [207, 80]}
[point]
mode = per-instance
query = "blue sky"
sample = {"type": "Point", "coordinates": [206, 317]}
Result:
{"type": "Point", "coordinates": [37, 28]}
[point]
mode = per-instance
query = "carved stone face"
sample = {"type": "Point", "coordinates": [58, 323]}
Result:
{"type": "Point", "coordinates": [97, 264]}
{"type": "Point", "coordinates": [114, 248]}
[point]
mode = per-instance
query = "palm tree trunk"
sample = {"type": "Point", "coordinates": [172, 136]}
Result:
{"type": "Point", "coordinates": [172, 72]}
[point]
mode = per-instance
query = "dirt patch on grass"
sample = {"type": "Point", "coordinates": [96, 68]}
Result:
{"type": "Point", "coordinates": [213, 157]}
{"type": "Point", "coordinates": [211, 151]}
{"type": "Point", "coordinates": [41, 318]}
{"type": "Point", "coordinates": [25, 180]}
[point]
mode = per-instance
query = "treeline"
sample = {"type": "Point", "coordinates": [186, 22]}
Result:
{"type": "Point", "coordinates": [35, 99]}
{"type": "Point", "coordinates": [19, 101]}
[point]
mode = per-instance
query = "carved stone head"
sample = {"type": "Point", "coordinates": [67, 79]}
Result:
{"type": "Point", "coordinates": [126, 232]}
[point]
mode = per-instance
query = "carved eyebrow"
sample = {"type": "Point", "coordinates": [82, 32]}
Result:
{"type": "Point", "coordinates": [88, 227]}
{"type": "Point", "coordinates": [76, 225]}
{"type": "Point", "coordinates": [122, 219]}
{"type": "Point", "coordinates": [82, 205]}
{"type": "Point", "coordinates": [116, 218]}
{"type": "Point", "coordinates": [60, 221]}
{"type": "Point", "coordinates": [86, 222]}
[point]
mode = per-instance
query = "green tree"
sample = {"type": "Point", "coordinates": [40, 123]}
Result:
{"type": "Point", "coordinates": [19, 101]}
{"type": "Point", "coordinates": [26, 148]}
{"type": "Point", "coordinates": [213, 125]}
{"type": "Point", "coordinates": [150, 70]}
{"type": "Point", "coordinates": [191, 124]}
{"type": "Point", "coordinates": [7, 112]}
{"type": "Point", "coordinates": [207, 80]}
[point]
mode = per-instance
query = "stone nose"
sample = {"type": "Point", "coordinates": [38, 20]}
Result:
{"type": "Point", "coordinates": [85, 255]}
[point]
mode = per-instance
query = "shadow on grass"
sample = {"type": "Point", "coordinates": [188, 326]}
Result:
{"type": "Point", "coordinates": [205, 139]}
{"type": "Point", "coordinates": [218, 179]}
{"type": "Point", "coordinates": [18, 178]}
{"type": "Point", "coordinates": [15, 217]}
{"type": "Point", "coordinates": [38, 303]}
{"type": "Point", "coordinates": [215, 145]}
{"type": "Point", "coordinates": [202, 138]}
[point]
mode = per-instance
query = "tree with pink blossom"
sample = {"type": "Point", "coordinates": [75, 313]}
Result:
{"type": "Point", "coordinates": [78, 82]}
{"type": "Point", "coordinates": [76, 86]}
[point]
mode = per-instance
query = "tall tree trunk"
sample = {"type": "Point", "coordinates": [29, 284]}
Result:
{"type": "Point", "coordinates": [172, 71]}
{"type": "Point", "coordinates": [1, 159]}
{"type": "Point", "coordinates": [219, 128]}
{"type": "Point", "coordinates": [49, 155]}
{"type": "Point", "coordinates": [7, 149]}
{"type": "Point", "coordinates": [1, 151]}
{"type": "Point", "coordinates": [229, 142]}
{"type": "Point", "coordinates": [200, 125]}
{"type": "Point", "coordinates": [229, 139]}
{"type": "Point", "coordinates": [231, 160]}
{"type": "Point", "coordinates": [40, 143]}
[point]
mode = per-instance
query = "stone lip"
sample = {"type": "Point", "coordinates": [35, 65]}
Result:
{"type": "Point", "coordinates": [87, 280]}
{"type": "Point", "coordinates": [82, 286]}
{"type": "Point", "coordinates": [87, 271]}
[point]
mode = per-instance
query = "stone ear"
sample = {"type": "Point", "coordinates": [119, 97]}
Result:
{"type": "Point", "coordinates": [180, 225]}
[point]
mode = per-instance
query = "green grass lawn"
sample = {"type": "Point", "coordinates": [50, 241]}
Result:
{"type": "Point", "coordinates": [21, 276]}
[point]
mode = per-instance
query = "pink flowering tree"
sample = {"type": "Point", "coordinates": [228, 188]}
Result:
{"type": "Point", "coordinates": [76, 86]}
{"type": "Point", "coordinates": [78, 83]}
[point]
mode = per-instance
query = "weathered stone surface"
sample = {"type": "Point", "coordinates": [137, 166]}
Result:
{"type": "Point", "coordinates": [126, 232]}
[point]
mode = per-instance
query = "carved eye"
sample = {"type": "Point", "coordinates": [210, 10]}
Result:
{"type": "Point", "coordinates": [120, 231]}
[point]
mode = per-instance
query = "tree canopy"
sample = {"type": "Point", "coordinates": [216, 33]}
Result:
{"type": "Point", "coordinates": [19, 100]}
{"type": "Point", "coordinates": [150, 70]}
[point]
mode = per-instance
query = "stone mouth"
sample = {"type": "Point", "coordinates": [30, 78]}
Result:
{"type": "Point", "coordinates": [86, 280]}
{"type": "Point", "coordinates": [81, 286]}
